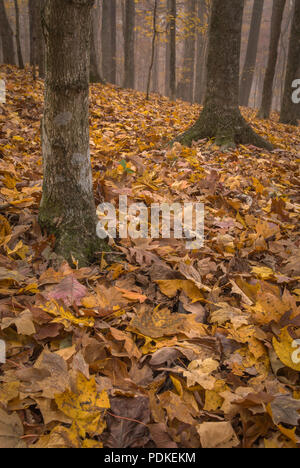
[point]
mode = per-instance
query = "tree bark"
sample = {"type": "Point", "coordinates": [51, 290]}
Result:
{"type": "Point", "coordinates": [249, 66]}
{"type": "Point", "coordinates": [68, 208]}
{"type": "Point", "coordinates": [185, 86]}
{"type": "Point", "coordinates": [7, 37]}
{"type": "Point", "coordinates": [290, 112]}
{"type": "Point", "coordinates": [19, 48]}
{"type": "Point", "coordinates": [153, 48]}
{"type": "Point", "coordinates": [276, 22]}
{"type": "Point", "coordinates": [108, 36]}
{"type": "Point", "coordinates": [171, 51]}
{"type": "Point", "coordinates": [221, 117]}
{"type": "Point", "coordinates": [129, 49]}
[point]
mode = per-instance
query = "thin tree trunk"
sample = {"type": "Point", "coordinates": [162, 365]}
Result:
{"type": "Point", "coordinates": [202, 49]}
{"type": "Point", "coordinates": [221, 117]}
{"type": "Point", "coordinates": [185, 86]}
{"type": "Point", "coordinates": [19, 49]}
{"type": "Point", "coordinates": [276, 22]}
{"type": "Point", "coordinates": [171, 51]}
{"type": "Point", "coordinates": [249, 66]}
{"type": "Point", "coordinates": [129, 43]}
{"type": "Point", "coordinates": [153, 46]}
{"type": "Point", "coordinates": [108, 36]}
{"type": "Point", "coordinates": [67, 208]}
{"type": "Point", "coordinates": [289, 109]}
{"type": "Point", "coordinates": [95, 76]}
{"type": "Point", "coordinates": [7, 37]}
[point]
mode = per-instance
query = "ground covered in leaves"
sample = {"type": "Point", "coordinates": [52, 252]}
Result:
{"type": "Point", "coordinates": [164, 347]}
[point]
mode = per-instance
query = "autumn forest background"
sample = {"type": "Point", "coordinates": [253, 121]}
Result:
{"type": "Point", "coordinates": [140, 343]}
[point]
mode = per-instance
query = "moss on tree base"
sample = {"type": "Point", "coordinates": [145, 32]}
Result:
{"type": "Point", "coordinates": [79, 245]}
{"type": "Point", "coordinates": [228, 128]}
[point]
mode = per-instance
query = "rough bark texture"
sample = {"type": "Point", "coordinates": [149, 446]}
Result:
{"type": "Point", "coordinates": [129, 41]}
{"type": "Point", "coordinates": [67, 208]}
{"type": "Point", "coordinates": [221, 117]}
{"type": "Point", "coordinates": [108, 36]}
{"type": "Point", "coordinates": [290, 112]}
{"type": "Point", "coordinates": [19, 49]}
{"type": "Point", "coordinates": [249, 66]}
{"type": "Point", "coordinates": [7, 37]}
{"type": "Point", "coordinates": [185, 86]}
{"type": "Point", "coordinates": [276, 22]}
{"type": "Point", "coordinates": [171, 51]}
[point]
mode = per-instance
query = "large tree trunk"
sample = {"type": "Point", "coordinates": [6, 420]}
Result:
{"type": "Point", "coordinates": [67, 208]}
{"type": "Point", "coordinates": [171, 51]}
{"type": "Point", "coordinates": [18, 41]}
{"type": "Point", "coordinates": [290, 111]}
{"type": "Point", "coordinates": [249, 66]}
{"type": "Point", "coordinates": [108, 37]}
{"type": "Point", "coordinates": [129, 49]}
{"type": "Point", "coordinates": [221, 117]}
{"type": "Point", "coordinates": [276, 22]}
{"type": "Point", "coordinates": [185, 86]}
{"type": "Point", "coordinates": [7, 37]}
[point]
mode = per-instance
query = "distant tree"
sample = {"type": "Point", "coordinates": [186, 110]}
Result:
{"type": "Point", "coordinates": [276, 22]}
{"type": "Point", "coordinates": [37, 45]}
{"type": "Point", "coordinates": [108, 40]}
{"type": "Point", "coordinates": [95, 75]}
{"type": "Point", "coordinates": [7, 37]}
{"type": "Point", "coordinates": [250, 60]}
{"type": "Point", "coordinates": [221, 117]}
{"type": "Point", "coordinates": [129, 42]}
{"type": "Point", "coordinates": [290, 112]}
{"type": "Point", "coordinates": [185, 86]}
{"type": "Point", "coordinates": [18, 41]}
{"type": "Point", "coordinates": [67, 207]}
{"type": "Point", "coordinates": [202, 49]}
{"type": "Point", "coordinates": [171, 49]}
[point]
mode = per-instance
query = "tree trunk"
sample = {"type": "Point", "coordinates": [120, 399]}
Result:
{"type": "Point", "coordinates": [68, 208]}
{"type": "Point", "coordinates": [185, 86]}
{"type": "Point", "coordinates": [171, 51]}
{"type": "Point", "coordinates": [19, 49]}
{"type": "Point", "coordinates": [129, 49]}
{"type": "Point", "coordinates": [108, 37]}
{"type": "Point", "coordinates": [7, 37]}
{"type": "Point", "coordinates": [250, 61]}
{"type": "Point", "coordinates": [221, 117]}
{"type": "Point", "coordinates": [277, 16]}
{"type": "Point", "coordinates": [153, 48]}
{"type": "Point", "coordinates": [290, 110]}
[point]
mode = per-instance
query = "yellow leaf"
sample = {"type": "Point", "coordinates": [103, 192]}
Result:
{"type": "Point", "coordinates": [65, 316]}
{"type": "Point", "coordinates": [85, 407]}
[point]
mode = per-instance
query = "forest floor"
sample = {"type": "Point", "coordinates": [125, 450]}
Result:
{"type": "Point", "coordinates": [166, 347]}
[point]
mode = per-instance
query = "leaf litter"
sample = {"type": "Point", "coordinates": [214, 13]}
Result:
{"type": "Point", "coordinates": [165, 347]}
